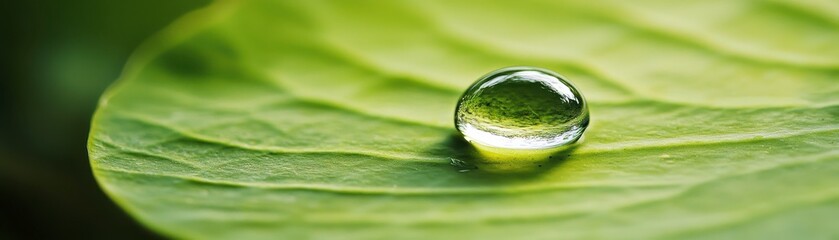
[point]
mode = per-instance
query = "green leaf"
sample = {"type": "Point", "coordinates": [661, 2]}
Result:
{"type": "Point", "coordinates": [333, 119]}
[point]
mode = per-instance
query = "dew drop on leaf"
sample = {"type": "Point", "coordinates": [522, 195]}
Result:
{"type": "Point", "coordinates": [522, 108]}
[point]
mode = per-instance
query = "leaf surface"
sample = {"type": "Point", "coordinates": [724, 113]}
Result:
{"type": "Point", "coordinates": [333, 119]}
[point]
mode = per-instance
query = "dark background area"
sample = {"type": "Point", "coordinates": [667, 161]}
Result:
{"type": "Point", "coordinates": [58, 57]}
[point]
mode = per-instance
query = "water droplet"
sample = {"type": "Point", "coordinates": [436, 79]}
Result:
{"type": "Point", "coordinates": [462, 166]}
{"type": "Point", "coordinates": [522, 108]}
{"type": "Point", "coordinates": [457, 162]}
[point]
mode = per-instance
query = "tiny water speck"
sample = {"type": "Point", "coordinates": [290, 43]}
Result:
{"type": "Point", "coordinates": [522, 108]}
{"type": "Point", "coordinates": [457, 162]}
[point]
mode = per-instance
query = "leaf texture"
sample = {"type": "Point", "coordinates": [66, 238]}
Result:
{"type": "Point", "coordinates": [333, 119]}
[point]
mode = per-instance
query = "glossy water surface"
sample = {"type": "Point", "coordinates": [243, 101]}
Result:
{"type": "Point", "coordinates": [522, 108]}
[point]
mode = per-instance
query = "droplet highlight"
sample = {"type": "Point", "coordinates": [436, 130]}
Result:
{"type": "Point", "coordinates": [522, 108]}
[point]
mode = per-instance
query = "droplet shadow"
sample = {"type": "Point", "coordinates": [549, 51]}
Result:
{"type": "Point", "coordinates": [468, 161]}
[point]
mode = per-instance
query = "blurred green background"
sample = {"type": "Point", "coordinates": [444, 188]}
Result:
{"type": "Point", "coordinates": [59, 56]}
